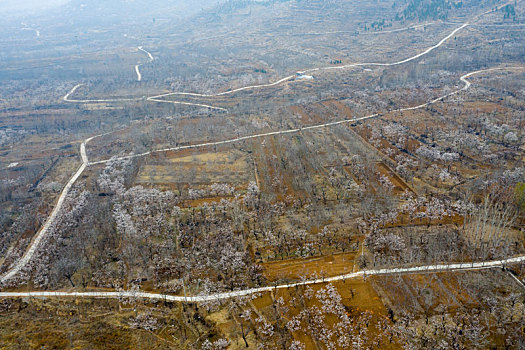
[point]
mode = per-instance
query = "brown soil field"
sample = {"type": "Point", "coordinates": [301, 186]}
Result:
{"type": "Point", "coordinates": [231, 167]}
{"type": "Point", "coordinates": [88, 324]}
{"type": "Point", "coordinates": [331, 265]}
{"type": "Point", "coordinates": [344, 109]}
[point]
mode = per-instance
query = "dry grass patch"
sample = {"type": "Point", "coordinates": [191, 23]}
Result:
{"type": "Point", "coordinates": [324, 266]}
{"type": "Point", "coordinates": [232, 167]}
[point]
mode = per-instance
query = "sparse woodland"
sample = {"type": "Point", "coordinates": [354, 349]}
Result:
{"type": "Point", "coordinates": [440, 184]}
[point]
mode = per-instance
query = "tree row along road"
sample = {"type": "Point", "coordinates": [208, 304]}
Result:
{"type": "Point", "coordinates": [44, 230]}
{"type": "Point", "coordinates": [251, 291]}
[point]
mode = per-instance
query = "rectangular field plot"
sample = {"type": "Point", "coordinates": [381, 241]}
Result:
{"type": "Point", "coordinates": [330, 265]}
{"type": "Point", "coordinates": [199, 169]}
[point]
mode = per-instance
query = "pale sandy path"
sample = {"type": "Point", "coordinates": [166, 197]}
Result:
{"type": "Point", "coordinates": [250, 291]}
{"type": "Point", "coordinates": [44, 230]}
{"type": "Point", "coordinates": [137, 67]}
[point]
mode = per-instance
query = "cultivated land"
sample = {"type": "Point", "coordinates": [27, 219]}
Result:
{"type": "Point", "coordinates": [316, 176]}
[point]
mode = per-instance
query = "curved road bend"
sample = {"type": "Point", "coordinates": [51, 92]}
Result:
{"type": "Point", "coordinates": [157, 98]}
{"type": "Point", "coordinates": [74, 89]}
{"type": "Point", "coordinates": [137, 67]}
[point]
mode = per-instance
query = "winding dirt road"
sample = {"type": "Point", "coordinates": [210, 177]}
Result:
{"type": "Point", "coordinates": [250, 291]}
{"type": "Point", "coordinates": [44, 230]}
{"type": "Point", "coordinates": [35, 243]}
{"type": "Point", "coordinates": [137, 70]}
{"type": "Point", "coordinates": [137, 67]}
{"type": "Point", "coordinates": [20, 264]}
{"type": "Point", "coordinates": [290, 77]}
{"type": "Point", "coordinates": [311, 127]}
{"type": "Point", "coordinates": [158, 98]}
